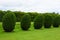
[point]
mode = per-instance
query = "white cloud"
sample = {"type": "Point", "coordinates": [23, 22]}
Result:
{"type": "Point", "coordinates": [31, 5]}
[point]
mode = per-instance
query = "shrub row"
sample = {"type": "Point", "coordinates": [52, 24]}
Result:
{"type": "Point", "coordinates": [9, 21]}
{"type": "Point", "coordinates": [46, 20]}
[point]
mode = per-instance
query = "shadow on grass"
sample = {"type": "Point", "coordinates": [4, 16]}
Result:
{"type": "Point", "coordinates": [3, 32]}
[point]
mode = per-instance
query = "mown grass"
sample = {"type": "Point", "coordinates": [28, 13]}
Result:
{"type": "Point", "coordinates": [31, 34]}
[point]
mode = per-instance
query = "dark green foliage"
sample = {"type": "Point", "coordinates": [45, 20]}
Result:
{"type": "Point", "coordinates": [38, 22]}
{"type": "Point", "coordinates": [18, 15]}
{"type": "Point", "coordinates": [26, 22]}
{"type": "Point", "coordinates": [8, 22]}
{"type": "Point", "coordinates": [33, 15]}
{"type": "Point", "coordinates": [47, 20]}
{"type": "Point", "coordinates": [56, 21]}
{"type": "Point", "coordinates": [2, 13]}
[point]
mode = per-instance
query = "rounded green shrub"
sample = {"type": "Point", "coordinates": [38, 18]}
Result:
{"type": "Point", "coordinates": [38, 21]}
{"type": "Point", "coordinates": [8, 22]}
{"type": "Point", "coordinates": [47, 21]}
{"type": "Point", "coordinates": [56, 21]}
{"type": "Point", "coordinates": [25, 22]}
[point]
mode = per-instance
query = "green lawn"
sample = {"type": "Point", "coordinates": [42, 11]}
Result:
{"type": "Point", "coordinates": [31, 34]}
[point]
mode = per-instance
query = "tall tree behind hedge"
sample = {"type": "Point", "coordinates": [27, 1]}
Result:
{"type": "Point", "coordinates": [33, 15]}
{"type": "Point", "coordinates": [18, 15]}
{"type": "Point", "coordinates": [2, 13]}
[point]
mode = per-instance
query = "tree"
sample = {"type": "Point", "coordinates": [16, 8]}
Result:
{"type": "Point", "coordinates": [56, 21]}
{"type": "Point", "coordinates": [47, 20]}
{"type": "Point", "coordinates": [38, 21]}
{"type": "Point", "coordinates": [25, 22]}
{"type": "Point", "coordinates": [8, 22]}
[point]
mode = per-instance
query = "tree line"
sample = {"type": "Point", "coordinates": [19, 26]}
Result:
{"type": "Point", "coordinates": [19, 14]}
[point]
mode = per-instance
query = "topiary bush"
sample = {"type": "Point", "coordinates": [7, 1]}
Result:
{"type": "Point", "coordinates": [56, 21]}
{"type": "Point", "coordinates": [47, 21]}
{"type": "Point", "coordinates": [8, 22]}
{"type": "Point", "coordinates": [25, 22]}
{"type": "Point", "coordinates": [38, 21]}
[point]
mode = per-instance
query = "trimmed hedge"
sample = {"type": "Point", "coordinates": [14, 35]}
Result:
{"type": "Point", "coordinates": [38, 21]}
{"type": "Point", "coordinates": [25, 22]}
{"type": "Point", "coordinates": [8, 22]}
{"type": "Point", "coordinates": [47, 21]}
{"type": "Point", "coordinates": [56, 21]}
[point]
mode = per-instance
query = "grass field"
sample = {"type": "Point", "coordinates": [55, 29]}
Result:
{"type": "Point", "coordinates": [31, 34]}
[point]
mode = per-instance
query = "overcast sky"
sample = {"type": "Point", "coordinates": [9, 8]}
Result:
{"type": "Point", "coordinates": [31, 5]}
